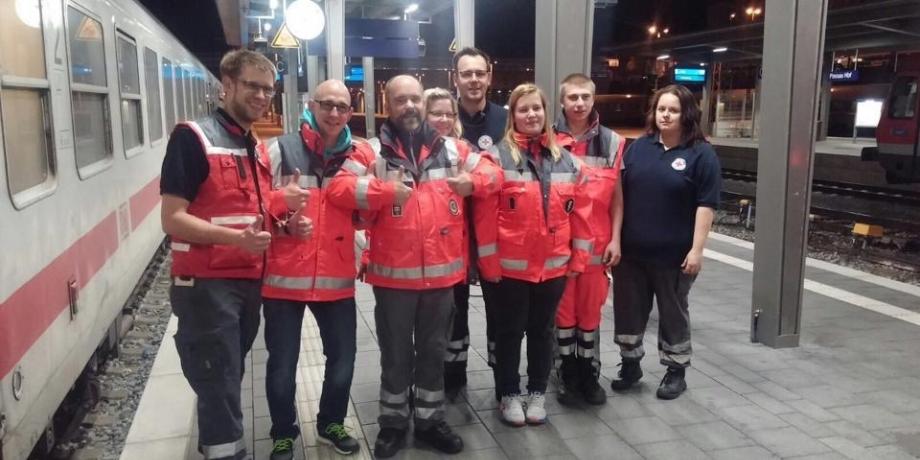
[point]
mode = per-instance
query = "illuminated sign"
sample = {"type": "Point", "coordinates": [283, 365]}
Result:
{"type": "Point", "coordinates": [844, 75]}
{"type": "Point", "coordinates": [689, 75]}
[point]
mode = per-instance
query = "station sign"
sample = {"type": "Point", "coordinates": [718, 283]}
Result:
{"type": "Point", "coordinates": [844, 75]}
{"type": "Point", "coordinates": [689, 75]}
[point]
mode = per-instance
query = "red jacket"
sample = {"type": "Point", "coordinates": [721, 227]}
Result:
{"type": "Point", "coordinates": [322, 266]}
{"type": "Point", "coordinates": [601, 150]}
{"type": "Point", "coordinates": [536, 226]}
{"type": "Point", "coordinates": [228, 197]}
{"type": "Point", "coordinates": [419, 245]}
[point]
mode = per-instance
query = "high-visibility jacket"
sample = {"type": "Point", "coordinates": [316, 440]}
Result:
{"type": "Point", "coordinates": [536, 226]}
{"type": "Point", "coordinates": [601, 150]}
{"type": "Point", "coordinates": [231, 196]}
{"type": "Point", "coordinates": [420, 244]}
{"type": "Point", "coordinates": [320, 267]}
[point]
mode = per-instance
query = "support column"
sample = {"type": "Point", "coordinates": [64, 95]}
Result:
{"type": "Point", "coordinates": [564, 30]}
{"type": "Point", "coordinates": [706, 103]}
{"type": "Point", "coordinates": [370, 98]}
{"type": "Point", "coordinates": [465, 23]}
{"type": "Point", "coordinates": [335, 39]}
{"type": "Point", "coordinates": [825, 100]}
{"type": "Point", "coordinates": [313, 72]}
{"type": "Point", "coordinates": [793, 44]}
{"type": "Point", "coordinates": [290, 106]}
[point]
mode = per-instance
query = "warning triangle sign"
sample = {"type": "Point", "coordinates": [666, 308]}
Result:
{"type": "Point", "coordinates": [89, 30]}
{"type": "Point", "coordinates": [285, 39]}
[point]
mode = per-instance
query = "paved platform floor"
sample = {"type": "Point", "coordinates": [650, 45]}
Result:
{"type": "Point", "coordinates": [851, 390]}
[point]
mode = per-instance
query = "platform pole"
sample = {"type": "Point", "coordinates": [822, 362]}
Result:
{"type": "Point", "coordinates": [465, 23]}
{"type": "Point", "coordinates": [564, 30]}
{"type": "Point", "coordinates": [793, 45]}
{"type": "Point", "coordinates": [370, 98]}
{"type": "Point", "coordinates": [335, 39]}
{"type": "Point", "coordinates": [290, 106]}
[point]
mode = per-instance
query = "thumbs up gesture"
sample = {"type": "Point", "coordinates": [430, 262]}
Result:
{"type": "Point", "coordinates": [253, 238]}
{"type": "Point", "coordinates": [294, 196]}
{"type": "Point", "coordinates": [461, 184]}
{"type": "Point", "coordinates": [402, 190]}
{"type": "Point", "coordinates": [300, 225]}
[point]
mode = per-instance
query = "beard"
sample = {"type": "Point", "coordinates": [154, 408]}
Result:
{"type": "Point", "coordinates": [410, 120]}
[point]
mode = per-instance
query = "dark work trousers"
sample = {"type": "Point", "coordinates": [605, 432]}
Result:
{"type": "Point", "coordinates": [412, 331]}
{"type": "Point", "coordinates": [337, 321]}
{"type": "Point", "coordinates": [491, 300]}
{"type": "Point", "coordinates": [530, 308]}
{"type": "Point", "coordinates": [458, 347]}
{"type": "Point", "coordinates": [635, 282]}
{"type": "Point", "coordinates": [218, 321]}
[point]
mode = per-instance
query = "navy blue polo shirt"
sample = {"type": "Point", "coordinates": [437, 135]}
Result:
{"type": "Point", "coordinates": [486, 128]}
{"type": "Point", "coordinates": [661, 191]}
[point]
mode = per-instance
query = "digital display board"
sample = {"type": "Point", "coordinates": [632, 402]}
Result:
{"type": "Point", "coordinates": [688, 75]}
{"type": "Point", "coordinates": [354, 73]}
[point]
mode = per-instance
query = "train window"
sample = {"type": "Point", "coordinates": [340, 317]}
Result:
{"type": "Point", "coordinates": [24, 97]}
{"type": "Point", "coordinates": [903, 102]}
{"type": "Point", "coordinates": [180, 85]}
{"type": "Point", "coordinates": [132, 119]}
{"type": "Point", "coordinates": [168, 94]}
{"type": "Point", "coordinates": [152, 79]}
{"type": "Point", "coordinates": [90, 93]}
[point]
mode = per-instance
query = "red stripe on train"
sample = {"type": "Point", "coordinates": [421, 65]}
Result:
{"type": "Point", "coordinates": [28, 312]}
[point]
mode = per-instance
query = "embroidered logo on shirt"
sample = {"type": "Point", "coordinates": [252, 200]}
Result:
{"type": "Point", "coordinates": [454, 207]}
{"type": "Point", "coordinates": [679, 164]}
{"type": "Point", "coordinates": [485, 141]}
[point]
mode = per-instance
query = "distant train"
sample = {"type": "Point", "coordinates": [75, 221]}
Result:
{"type": "Point", "coordinates": [898, 131]}
{"type": "Point", "coordinates": [88, 94]}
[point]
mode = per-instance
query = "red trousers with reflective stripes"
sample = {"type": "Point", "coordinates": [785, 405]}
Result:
{"type": "Point", "coordinates": [583, 300]}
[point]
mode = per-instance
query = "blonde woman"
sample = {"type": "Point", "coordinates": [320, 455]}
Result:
{"type": "Point", "coordinates": [538, 236]}
{"type": "Point", "coordinates": [441, 112]}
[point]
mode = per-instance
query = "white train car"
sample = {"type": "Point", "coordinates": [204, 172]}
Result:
{"type": "Point", "coordinates": [89, 90]}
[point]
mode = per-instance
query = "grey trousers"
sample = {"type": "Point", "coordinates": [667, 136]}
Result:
{"type": "Point", "coordinates": [413, 327]}
{"type": "Point", "coordinates": [635, 283]}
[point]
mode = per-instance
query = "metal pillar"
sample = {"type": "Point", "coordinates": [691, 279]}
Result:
{"type": "Point", "coordinates": [335, 39]}
{"type": "Point", "coordinates": [706, 103]}
{"type": "Point", "coordinates": [370, 97]}
{"type": "Point", "coordinates": [825, 100]}
{"type": "Point", "coordinates": [563, 44]}
{"type": "Point", "coordinates": [465, 23]}
{"type": "Point", "coordinates": [793, 44]}
{"type": "Point", "coordinates": [291, 103]}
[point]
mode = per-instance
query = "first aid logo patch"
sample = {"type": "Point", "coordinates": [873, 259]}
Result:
{"type": "Point", "coordinates": [679, 164]}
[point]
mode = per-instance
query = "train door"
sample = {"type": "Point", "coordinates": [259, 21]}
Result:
{"type": "Point", "coordinates": [897, 133]}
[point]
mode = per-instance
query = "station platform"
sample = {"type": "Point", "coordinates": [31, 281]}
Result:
{"type": "Point", "coordinates": [851, 390]}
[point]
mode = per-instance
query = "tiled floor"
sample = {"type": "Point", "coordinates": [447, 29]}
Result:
{"type": "Point", "coordinates": [851, 390]}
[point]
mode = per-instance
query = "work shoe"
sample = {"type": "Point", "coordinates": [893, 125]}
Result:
{"type": "Point", "coordinates": [336, 436]}
{"type": "Point", "coordinates": [571, 381]}
{"type": "Point", "coordinates": [441, 437]}
{"type": "Point", "coordinates": [536, 413]}
{"type": "Point", "coordinates": [388, 442]}
{"type": "Point", "coordinates": [592, 391]}
{"type": "Point", "coordinates": [512, 410]}
{"type": "Point", "coordinates": [630, 373]}
{"type": "Point", "coordinates": [283, 449]}
{"type": "Point", "coordinates": [673, 384]}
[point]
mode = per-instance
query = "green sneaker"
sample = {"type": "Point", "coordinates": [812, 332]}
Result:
{"type": "Point", "coordinates": [283, 449]}
{"type": "Point", "coordinates": [336, 436]}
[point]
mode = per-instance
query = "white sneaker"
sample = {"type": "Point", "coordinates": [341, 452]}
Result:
{"type": "Point", "coordinates": [536, 414]}
{"type": "Point", "coordinates": [512, 410]}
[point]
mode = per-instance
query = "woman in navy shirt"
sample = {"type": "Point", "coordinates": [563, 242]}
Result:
{"type": "Point", "coordinates": [671, 180]}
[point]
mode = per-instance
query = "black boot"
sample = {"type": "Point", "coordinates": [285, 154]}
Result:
{"type": "Point", "coordinates": [592, 391]}
{"type": "Point", "coordinates": [673, 384]}
{"type": "Point", "coordinates": [569, 391]}
{"type": "Point", "coordinates": [389, 441]}
{"type": "Point", "coordinates": [630, 373]}
{"type": "Point", "coordinates": [441, 437]}
{"type": "Point", "coordinates": [454, 379]}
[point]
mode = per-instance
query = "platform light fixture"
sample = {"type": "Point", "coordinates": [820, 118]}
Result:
{"type": "Point", "coordinates": [412, 8]}
{"type": "Point", "coordinates": [273, 4]}
{"type": "Point", "coordinates": [663, 57]}
{"type": "Point", "coordinates": [652, 29]}
{"type": "Point", "coordinates": [267, 26]}
{"type": "Point", "coordinates": [305, 19]}
{"type": "Point", "coordinates": [720, 49]}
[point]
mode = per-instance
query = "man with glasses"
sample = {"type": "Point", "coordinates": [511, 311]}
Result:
{"type": "Point", "coordinates": [318, 272]}
{"type": "Point", "coordinates": [483, 125]}
{"type": "Point", "coordinates": [216, 188]}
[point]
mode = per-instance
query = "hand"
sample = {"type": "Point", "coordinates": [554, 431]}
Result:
{"type": "Point", "coordinates": [362, 270]}
{"type": "Point", "coordinates": [300, 225]}
{"type": "Point", "coordinates": [294, 196]}
{"type": "Point", "coordinates": [402, 191]}
{"type": "Point", "coordinates": [462, 184]}
{"type": "Point", "coordinates": [693, 262]}
{"type": "Point", "coordinates": [571, 274]}
{"type": "Point", "coordinates": [253, 238]}
{"type": "Point", "coordinates": [612, 254]}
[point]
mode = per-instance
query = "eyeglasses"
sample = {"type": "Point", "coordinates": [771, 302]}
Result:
{"type": "Point", "coordinates": [448, 115]}
{"type": "Point", "coordinates": [328, 106]}
{"type": "Point", "coordinates": [269, 91]}
{"type": "Point", "coordinates": [467, 74]}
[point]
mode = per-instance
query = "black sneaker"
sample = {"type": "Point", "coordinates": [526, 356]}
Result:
{"type": "Point", "coordinates": [593, 392]}
{"type": "Point", "coordinates": [441, 437]}
{"type": "Point", "coordinates": [673, 384]}
{"type": "Point", "coordinates": [336, 436]}
{"type": "Point", "coordinates": [283, 449]}
{"type": "Point", "coordinates": [630, 373]}
{"type": "Point", "coordinates": [570, 382]}
{"type": "Point", "coordinates": [389, 441]}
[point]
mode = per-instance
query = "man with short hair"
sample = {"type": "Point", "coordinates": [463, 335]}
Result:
{"type": "Point", "coordinates": [578, 318]}
{"type": "Point", "coordinates": [216, 189]}
{"type": "Point", "coordinates": [318, 272]}
{"type": "Point", "coordinates": [483, 126]}
{"type": "Point", "coordinates": [413, 190]}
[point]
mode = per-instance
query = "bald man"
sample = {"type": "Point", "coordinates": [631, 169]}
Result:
{"type": "Point", "coordinates": [316, 272]}
{"type": "Point", "coordinates": [415, 188]}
